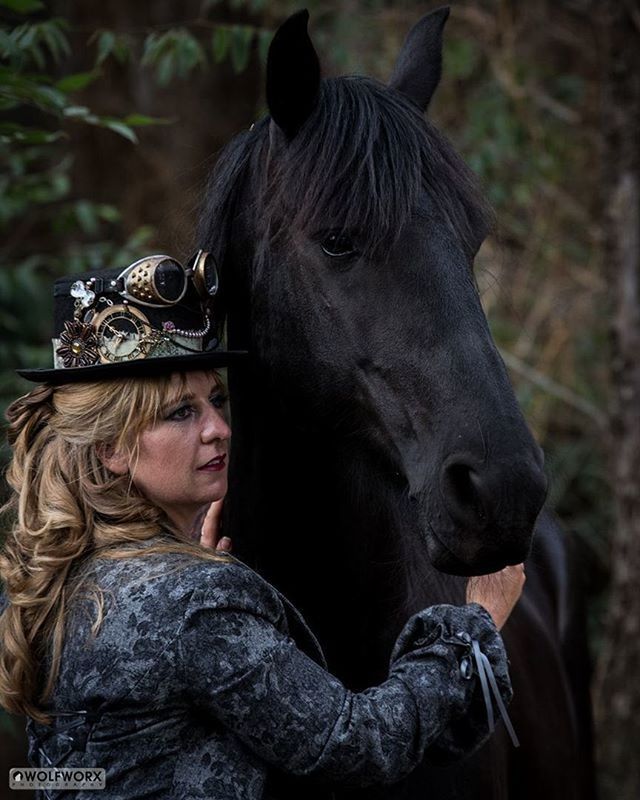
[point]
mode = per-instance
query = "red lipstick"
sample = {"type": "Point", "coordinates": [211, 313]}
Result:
{"type": "Point", "coordinates": [216, 464]}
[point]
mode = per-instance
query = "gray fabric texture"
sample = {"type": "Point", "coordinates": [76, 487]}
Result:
{"type": "Point", "coordinates": [203, 678]}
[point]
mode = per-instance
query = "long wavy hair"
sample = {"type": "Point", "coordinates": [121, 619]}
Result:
{"type": "Point", "coordinates": [67, 507]}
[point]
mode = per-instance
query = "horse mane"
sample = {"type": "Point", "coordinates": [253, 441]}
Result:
{"type": "Point", "coordinates": [359, 161]}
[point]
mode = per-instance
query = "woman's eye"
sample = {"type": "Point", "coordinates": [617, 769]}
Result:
{"type": "Point", "coordinates": [219, 400]}
{"type": "Point", "coordinates": [183, 412]}
{"type": "Point", "coordinates": [187, 410]}
{"type": "Point", "coordinates": [339, 245]}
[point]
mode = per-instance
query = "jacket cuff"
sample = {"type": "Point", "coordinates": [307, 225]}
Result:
{"type": "Point", "coordinates": [450, 632]}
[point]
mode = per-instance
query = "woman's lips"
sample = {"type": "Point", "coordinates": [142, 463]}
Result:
{"type": "Point", "coordinates": [215, 465]}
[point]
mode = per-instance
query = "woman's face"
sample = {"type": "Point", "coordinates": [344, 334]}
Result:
{"type": "Point", "coordinates": [182, 460]}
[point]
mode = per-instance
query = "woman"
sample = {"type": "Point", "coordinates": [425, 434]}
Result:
{"type": "Point", "coordinates": [177, 668]}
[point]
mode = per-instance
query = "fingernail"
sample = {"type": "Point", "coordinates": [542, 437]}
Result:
{"type": "Point", "coordinates": [225, 543]}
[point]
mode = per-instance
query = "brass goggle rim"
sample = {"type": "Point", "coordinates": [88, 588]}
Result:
{"type": "Point", "coordinates": [195, 271]}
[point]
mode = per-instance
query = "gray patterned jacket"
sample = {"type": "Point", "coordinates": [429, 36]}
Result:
{"type": "Point", "coordinates": [202, 679]}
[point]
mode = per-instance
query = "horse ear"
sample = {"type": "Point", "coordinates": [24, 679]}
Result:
{"type": "Point", "coordinates": [293, 74]}
{"type": "Point", "coordinates": [419, 66]}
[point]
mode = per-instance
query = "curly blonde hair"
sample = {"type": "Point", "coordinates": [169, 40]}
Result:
{"type": "Point", "coordinates": [67, 507]}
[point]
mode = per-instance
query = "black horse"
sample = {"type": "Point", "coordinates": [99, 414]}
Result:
{"type": "Point", "coordinates": [378, 450]}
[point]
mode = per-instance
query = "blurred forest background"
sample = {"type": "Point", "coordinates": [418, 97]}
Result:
{"type": "Point", "coordinates": [112, 114]}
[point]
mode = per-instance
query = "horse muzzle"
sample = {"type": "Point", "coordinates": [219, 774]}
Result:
{"type": "Point", "coordinates": [482, 517]}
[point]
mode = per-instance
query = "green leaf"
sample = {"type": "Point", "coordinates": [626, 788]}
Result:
{"type": "Point", "coordinates": [53, 96]}
{"type": "Point", "coordinates": [241, 47]}
{"type": "Point", "coordinates": [7, 724]}
{"type": "Point", "coordinates": [140, 237]}
{"type": "Point", "coordinates": [45, 97]}
{"type": "Point", "coordinates": [22, 6]}
{"type": "Point", "coordinates": [158, 51]}
{"type": "Point", "coordinates": [76, 111]}
{"type": "Point", "coordinates": [79, 80]}
{"type": "Point", "coordinates": [220, 43]}
{"type": "Point", "coordinates": [57, 42]}
{"type": "Point", "coordinates": [7, 45]}
{"type": "Point", "coordinates": [119, 127]}
{"type": "Point", "coordinates": [38, 56]}
{"type": "Point", "coordinates": [461, 58]}
{"type": "Point", "coordinates": [140, 120]}
{"type": "Point", "coordinates": [19, 135]}
{"type": "Point", "coordinates": [24, 35]}
{"type": "Point", "coordinates": [86, 215]}
{"type": "Point", "coordinates": [106, 43]}
{"type": "Point", "coordinates": [176, 52]}
{"type": "Point", "coordinates": [166, 68]}
{"type": "Point", "coordinates": [264, 41]}
{"type": "Point", "coordinates": [122, 49]}
{"type": "Point", "coordinates": [189, 54]}
{"type": "Point", "coordinates": [150, 50]}
{"type": "Point", "coordinates": [7, 104]}
{"type": "Point", "coordinates": [108, 213]}
{"type": "Point", "coordinates": [111, 44]}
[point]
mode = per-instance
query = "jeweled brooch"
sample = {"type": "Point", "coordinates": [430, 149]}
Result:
{"type": "Point", "coordinates": [79, 345]}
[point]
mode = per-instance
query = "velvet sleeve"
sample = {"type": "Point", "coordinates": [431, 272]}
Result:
{"type": "Point", "coordinates": [240, 668]}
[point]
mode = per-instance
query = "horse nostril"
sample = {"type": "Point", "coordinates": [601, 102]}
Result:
{"type": "Point", "coordinates": [463, 486]}
{"type": "Point", "coordinates": [506, 495]}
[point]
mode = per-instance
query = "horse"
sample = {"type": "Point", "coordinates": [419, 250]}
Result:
{"type": "Point", "coordinates": [379, 454]}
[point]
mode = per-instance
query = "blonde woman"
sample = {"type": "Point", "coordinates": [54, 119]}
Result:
{"type": "Point", "coordinates": [132, 647]}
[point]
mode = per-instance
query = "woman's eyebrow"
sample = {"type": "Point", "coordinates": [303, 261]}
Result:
{"type": "Point", "coordinates": [179, 398]}
{"type": "Point", "coordinates": [189, 396]}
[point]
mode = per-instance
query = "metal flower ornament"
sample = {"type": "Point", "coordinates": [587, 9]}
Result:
{"type": "Point", "coordinates": [78, 345]}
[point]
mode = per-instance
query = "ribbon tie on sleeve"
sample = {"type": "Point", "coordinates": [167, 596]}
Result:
{"type": "Point", "coordinates": [476, 661]}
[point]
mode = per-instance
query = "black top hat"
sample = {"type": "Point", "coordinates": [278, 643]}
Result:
{"type": "Point", "coordinates": [151, 318]}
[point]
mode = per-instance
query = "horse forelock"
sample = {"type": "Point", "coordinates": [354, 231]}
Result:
{"type": "Point", "coordinates": [359, 162]}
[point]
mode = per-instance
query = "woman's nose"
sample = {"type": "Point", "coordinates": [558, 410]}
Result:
{"type": "Point", "coordinates": [215, 426]}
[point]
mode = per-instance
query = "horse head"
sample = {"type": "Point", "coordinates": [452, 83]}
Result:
{"type": "Point", "coordinates": [352, 225]}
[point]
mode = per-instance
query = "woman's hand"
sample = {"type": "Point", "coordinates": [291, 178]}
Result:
{"type": "Point", "coordinates": [498, 592]}
{"type": "Point", "coordinates": [211, 529]}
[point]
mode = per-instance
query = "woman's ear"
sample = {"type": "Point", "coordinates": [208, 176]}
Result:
{"type": "Point", "coordinates": [115, 461]}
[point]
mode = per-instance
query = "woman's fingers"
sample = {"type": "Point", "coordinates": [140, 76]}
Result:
{"type": "Point", "coordinates": [498, 592]}
{"type": "Point", "coordinates": [211, 529]}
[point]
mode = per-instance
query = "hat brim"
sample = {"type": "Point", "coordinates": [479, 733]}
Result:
{"type": "Point", "coordinates": [137, 368]}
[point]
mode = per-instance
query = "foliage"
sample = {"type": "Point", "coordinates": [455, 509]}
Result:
{"type": "Point", "coordinates": [37, 201]}
{"type": "Point", "coordinates": [179, 51]}
{"type": "Point", "coordinates": [6, 724]}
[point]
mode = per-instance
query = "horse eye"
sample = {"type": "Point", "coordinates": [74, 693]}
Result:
{"type": "Point", "coordinates": [338, 245]}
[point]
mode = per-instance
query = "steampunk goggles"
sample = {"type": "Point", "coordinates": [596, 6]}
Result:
{"type": "Point", "coordinates": [159, 280]}
{"type": "Point", "coordinates": [156, 281]}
